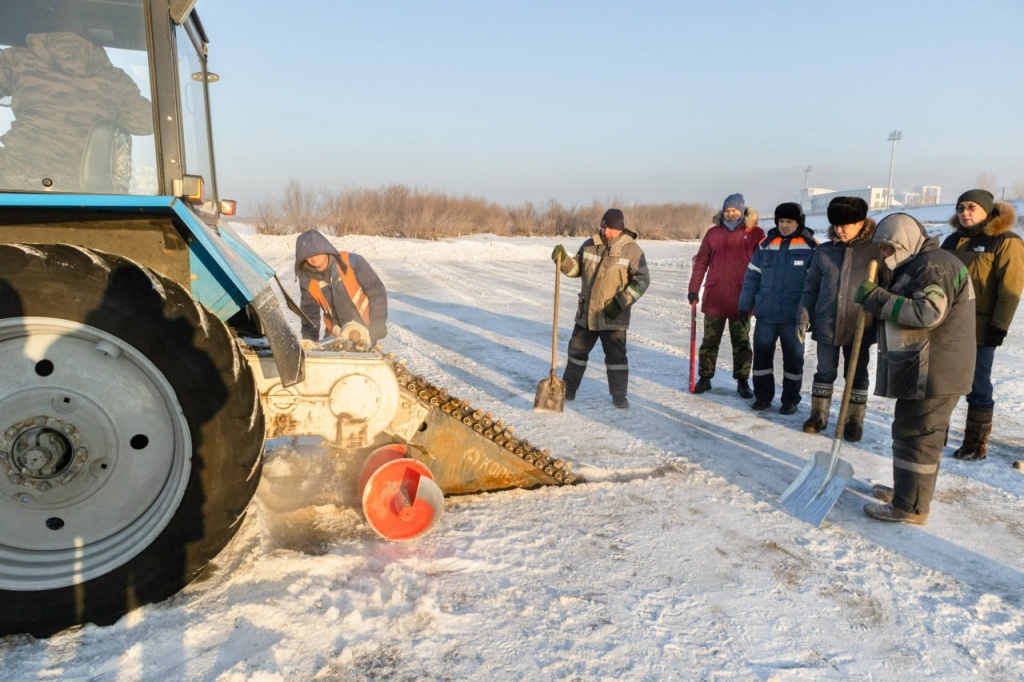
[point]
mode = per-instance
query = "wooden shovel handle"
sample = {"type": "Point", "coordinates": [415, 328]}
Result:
{"type": "Point", "coordinates": [858, 338]}
{"type": "Point", "coordinates": [554, 326]}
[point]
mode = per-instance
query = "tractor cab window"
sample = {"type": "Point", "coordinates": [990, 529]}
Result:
{"type": "Point", "coordinates": [195, 129]}
{"type": "Point", "coordinates": [75, 112]}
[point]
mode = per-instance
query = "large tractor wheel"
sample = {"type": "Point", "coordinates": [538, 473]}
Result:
{"type": "Point", "coordinates": [131, 437]}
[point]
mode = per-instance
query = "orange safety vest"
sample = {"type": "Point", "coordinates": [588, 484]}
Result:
{"type": "Point", "coordinates": [352, 288]}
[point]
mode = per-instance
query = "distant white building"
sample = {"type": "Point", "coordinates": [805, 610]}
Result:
{"type": "Point", "coordinates": [808, 193]}
{"type": "Point", "coordinates": [816, 200]}
{"type": "Point", "coordinates": [930, 195]}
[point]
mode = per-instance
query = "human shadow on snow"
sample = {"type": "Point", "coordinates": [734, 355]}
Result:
{"type": "Point", "coordinates": [765, 471]}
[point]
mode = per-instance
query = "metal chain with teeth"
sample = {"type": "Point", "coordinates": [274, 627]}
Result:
{"type": "Point", "coordinates": [483, 423]}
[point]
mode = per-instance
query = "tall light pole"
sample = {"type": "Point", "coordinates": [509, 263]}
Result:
{"type": "Point", "coordinates": [894, 137]}
{"type": "Point", "coordinates": [807, 171]}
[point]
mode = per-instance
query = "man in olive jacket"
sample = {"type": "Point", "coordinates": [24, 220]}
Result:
{"type": "Point", "coordinates": [927, 316]}
{"type": "Point", "coordinates": [614, 276]}
{"type": "Point", "coordinates": [994, 255]}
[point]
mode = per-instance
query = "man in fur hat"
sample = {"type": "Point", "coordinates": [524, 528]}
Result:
{"type": "Point", "coordinates": [723, 257]}
{"type": "Point", "coordinates": [994, 256]}
{"type": "Point", "coordinates": [614, 275]}
{"type": "Point", "coordinates": [828, 311]}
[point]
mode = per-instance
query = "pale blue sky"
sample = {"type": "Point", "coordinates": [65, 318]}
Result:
{"type": "Point", "coordinates": [631, 101]}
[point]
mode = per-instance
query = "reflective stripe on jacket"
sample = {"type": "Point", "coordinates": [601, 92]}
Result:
{"type": "Point", "coordinates": [347, 275]}
{"type": "Point", "coordinates": [775, 277]}
{"type": "Point", "coordinates": [608, 270]}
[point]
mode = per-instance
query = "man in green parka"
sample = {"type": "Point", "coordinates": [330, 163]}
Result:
{"type": "Point", "coordinates": [926, 312]}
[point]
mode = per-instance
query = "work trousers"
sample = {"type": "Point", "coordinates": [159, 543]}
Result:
{"type": "Point", "coordinates": [766, 334]}
{"type": "Point", "coordinates": [739, 335]}
{"type": "Point", "coordinates": [828, 365]}
{"type": "Point", "coordinates": [981, 390]}
{"type": "Point", "coordinates": [613, 342]}
{"type": "Point", "coordinates": [918, 435]}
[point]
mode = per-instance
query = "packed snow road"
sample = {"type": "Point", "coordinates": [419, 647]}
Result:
{"type": "Point", "coordinates": [674, 561]}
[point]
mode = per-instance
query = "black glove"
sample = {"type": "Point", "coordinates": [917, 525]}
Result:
{"type": "Point", "coordinates": [612, 310]}
{"type": "Point", "coordinates": [559, 254]}
{"type": "Point", "coordinates": [994, 336]}
{"type": "Point", "coordinates": [692, 297]}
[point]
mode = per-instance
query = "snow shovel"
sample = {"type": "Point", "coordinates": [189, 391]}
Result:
{"type": "Point", "coordinates": [693, 346]}
{"type": "Point", "coordinates": [815, 491]}
{"type": "Point", "coordinates": [551, 391]}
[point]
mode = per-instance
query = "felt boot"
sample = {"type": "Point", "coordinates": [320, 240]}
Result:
{"type": "Point", "coordinates": [976, 433]}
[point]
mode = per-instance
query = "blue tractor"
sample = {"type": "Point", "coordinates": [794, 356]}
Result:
{"type": "Point", "coordinates": [144, 355]}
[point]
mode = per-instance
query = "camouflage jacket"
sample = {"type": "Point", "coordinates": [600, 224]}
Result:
{"type": "Point", "coordinates": [60, 85]}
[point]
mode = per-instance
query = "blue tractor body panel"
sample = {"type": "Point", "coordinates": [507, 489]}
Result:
{"type": "Point", "coordinates": [226, 276]}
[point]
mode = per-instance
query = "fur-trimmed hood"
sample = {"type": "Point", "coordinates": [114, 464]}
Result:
{"type": "Point", "coordinates": [749, 218]}
{"type": "Point", "coordinates": [1001, 220]}
{"type": "Point", "coordinates": [865, 235]}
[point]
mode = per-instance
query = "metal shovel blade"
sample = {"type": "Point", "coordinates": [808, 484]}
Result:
{"type": "Point", "coordinates": [550, 395]}
{"type": "Point", "coordinates": [815, 491]}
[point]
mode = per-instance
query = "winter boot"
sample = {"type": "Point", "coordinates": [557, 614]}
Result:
{"type": "Point", "coordinates": [979, 426]}
{"type": "Point", "coordinates": [882, 492]}
{"type": "Point", "coordinates": [888, 512]}
{"type": "Point", "coordinates": [853, 431]}
{"type": "Point", "coordinates": [620, 401]}
{"type": "Point", "coordinates": [821, 401]}
{"type": "Point", "coordinates": [703, 385]}
{"type": "Point", "coordinates": [743, 388]}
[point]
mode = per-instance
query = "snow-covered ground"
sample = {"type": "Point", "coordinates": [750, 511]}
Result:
{"type": "Point", "coordinates": [675, 561]}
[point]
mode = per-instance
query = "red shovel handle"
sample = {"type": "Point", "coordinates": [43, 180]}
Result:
{"type": "Point", "coordinates": [693, 346]}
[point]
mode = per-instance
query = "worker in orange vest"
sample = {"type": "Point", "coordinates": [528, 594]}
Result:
{"type": "Point", "coordinates": [339, 286]}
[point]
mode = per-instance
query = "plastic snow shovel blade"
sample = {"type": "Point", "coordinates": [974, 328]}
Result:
{"type": "Point", "coordinates": [815, 491]}
{"type": "Point", "coordinates": [550, 395]}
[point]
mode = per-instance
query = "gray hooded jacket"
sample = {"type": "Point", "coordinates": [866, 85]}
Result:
{"type": "Point", "coordinates": [925, 345]}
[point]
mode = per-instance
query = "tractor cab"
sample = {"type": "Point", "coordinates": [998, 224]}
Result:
{"type": "Point", "coordinates": [106, 97]}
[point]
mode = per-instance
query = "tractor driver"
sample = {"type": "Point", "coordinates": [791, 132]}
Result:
{"type": "Point", "coordinates": [59, 86]}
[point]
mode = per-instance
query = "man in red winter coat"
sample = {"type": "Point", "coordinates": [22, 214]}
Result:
{"type": "Point", "coordinates": [723, 256]}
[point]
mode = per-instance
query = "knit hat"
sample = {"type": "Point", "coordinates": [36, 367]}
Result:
{"type": "Point", "coordinates": [791, 211]}
{"type": "Point", "coordinates": [734, 201]}
{"type": "Point", "coordinates": [982, 197]}
{"type": "Point", "coordinates": [614, 219]}
{"type": "Point", "coordinates": [847, 210]}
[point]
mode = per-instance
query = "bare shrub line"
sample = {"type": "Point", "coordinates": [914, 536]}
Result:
{"type": "Point", "coordinates": [401, 211]}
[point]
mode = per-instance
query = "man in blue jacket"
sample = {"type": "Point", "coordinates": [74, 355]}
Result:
{"type": "Point", "coordinates": [772, 289]}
